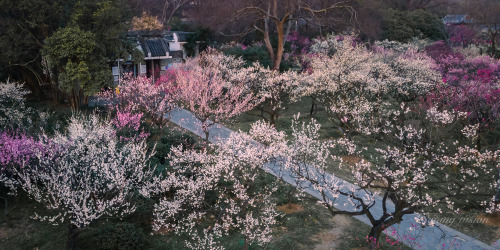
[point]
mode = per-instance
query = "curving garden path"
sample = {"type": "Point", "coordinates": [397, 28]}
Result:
{"type": "Point", "coordinates": [436, 237]}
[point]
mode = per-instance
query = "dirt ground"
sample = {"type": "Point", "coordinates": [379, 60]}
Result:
{"type": "Point", "coordinates": [330, 239]}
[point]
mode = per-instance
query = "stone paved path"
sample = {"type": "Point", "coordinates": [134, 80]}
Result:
{"type": "Point", "coordinates": [437, 237]}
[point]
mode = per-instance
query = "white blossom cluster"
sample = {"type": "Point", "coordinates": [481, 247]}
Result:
{"type": "Point", "coordinates": [416, 172]}
{"type": "Point", "coordinates": [86, 175]}
{"type": "Point", "coordinates": [13, 111]}
{"type": "Point", "coordinates": [212, 193]}
{"type": "Point", "coordinates": [362, 87]}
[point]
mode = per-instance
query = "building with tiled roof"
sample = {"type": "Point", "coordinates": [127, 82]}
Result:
{"type": "Point", "coordinates": [457, 19]}
{"type": "Point", "coordinates": [162, 50]}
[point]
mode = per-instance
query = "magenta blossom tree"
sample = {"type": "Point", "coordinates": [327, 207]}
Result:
{"type": "Point", "coordinates": [462, 35]}
{"type": "Point", "coordinates": [469, 85]}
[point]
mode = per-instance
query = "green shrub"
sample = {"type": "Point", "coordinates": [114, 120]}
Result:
{"type": "Point", "coordinates": [402, 26]}
{"type": "Point", "coordinates": [164, 141]}
{"type": "Point", "coordinates": [143, 213]}
{"type": "Point", "coordinates": [121, 236]}
{"type": "Point", "coordinates": [252, 54]}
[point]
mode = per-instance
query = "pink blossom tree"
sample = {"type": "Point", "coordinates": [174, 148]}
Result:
{"type": "Point", "coordinates": [139, 96]}
{"type": "Point", "coordinates": [270, 87]}
{"type": "Point", "coordinates": [210, 96]}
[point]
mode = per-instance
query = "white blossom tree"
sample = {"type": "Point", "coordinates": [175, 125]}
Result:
{"type": "Point", "coordinates": [86, 175]}
{"type": "Point", "coordinates": [425, 168]}
{"type": "Point", "coordinates": [13, 110]}
{"type": "Point", "coordinates": [214, 192]}
{"type": "Point", "coordinates": [359, 86]}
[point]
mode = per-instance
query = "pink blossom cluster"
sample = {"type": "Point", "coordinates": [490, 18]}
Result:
{"type": "Point", "coordinates": [126, 119]}
{"type": "Point", "coordinates": [140, 96]}
{"type": "Point", "coordinates": [129, 123]}
{"type": "Point", "coordinates": [470, 85]}
{"type": "Point", "coordinates": [299, 46]}
{"type": "Point", "coordinates": [18, 149]}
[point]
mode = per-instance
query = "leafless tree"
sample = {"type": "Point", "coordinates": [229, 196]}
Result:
{"type": "Point", "coordinates": [165, 10]}
{"type": "Point", "coordinates": [281, 13]}
{"type": "Point", "coordinates": [269, 17]}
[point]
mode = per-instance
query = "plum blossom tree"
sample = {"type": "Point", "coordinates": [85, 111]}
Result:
{"type": "Point", "coordinates": [358, 85]}
{"type": "Point", "coordinates": [219, 188]}
{"type": "Point", "coordinates": [209, 95]}
{"type": "Point", "coordinates": [13, 110]}
{"type": "Point", "coordinates": [19, 150]}
{"type": "Point", "coordinates": [86, 175]}
{"type": "Point", "coordinates": [271, 88]}
{"type": "Point", "coordinates": [423, 170]}
{"type": "Point", "coordinates": [141, 96]}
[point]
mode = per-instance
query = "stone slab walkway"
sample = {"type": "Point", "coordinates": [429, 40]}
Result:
{"type": "Point", "coordinates": [436, 237]}
{"type": "Point", "coordinates": [428, 238]}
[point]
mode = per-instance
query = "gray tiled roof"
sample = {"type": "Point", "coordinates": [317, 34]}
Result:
{"type": "Point", "coordinates": [456, 19]}
{"type": "Point", "coordinates": [156, 46]}
{"type": "Point", "coordinates": [183, 36]}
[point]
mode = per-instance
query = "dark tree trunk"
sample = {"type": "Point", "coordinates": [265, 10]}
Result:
{"type": "Point", "coordinates": [206, 135]}
{"type": "Point", "coordinates": [245, 246]}
{"type": "Point", "coordinates": [374, 236]}
{"type": "Point", "coordinates": [312, 108]}
{"type": "Point", "coordinates": [72, 235]}
{"type": "Point", "coordinates": [204, 127]}
{"type": "Point", "coordinates": [272, 118]}
{"type": "Point", "coordinates": [8, 210]}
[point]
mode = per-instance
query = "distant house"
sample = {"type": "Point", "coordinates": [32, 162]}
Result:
{"type": "Point", "coordinates": [485, 29]}
{"type": "Point", "coordinates": [161, 49]}
{"type": "Point", "coordinates": [457, 19]}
